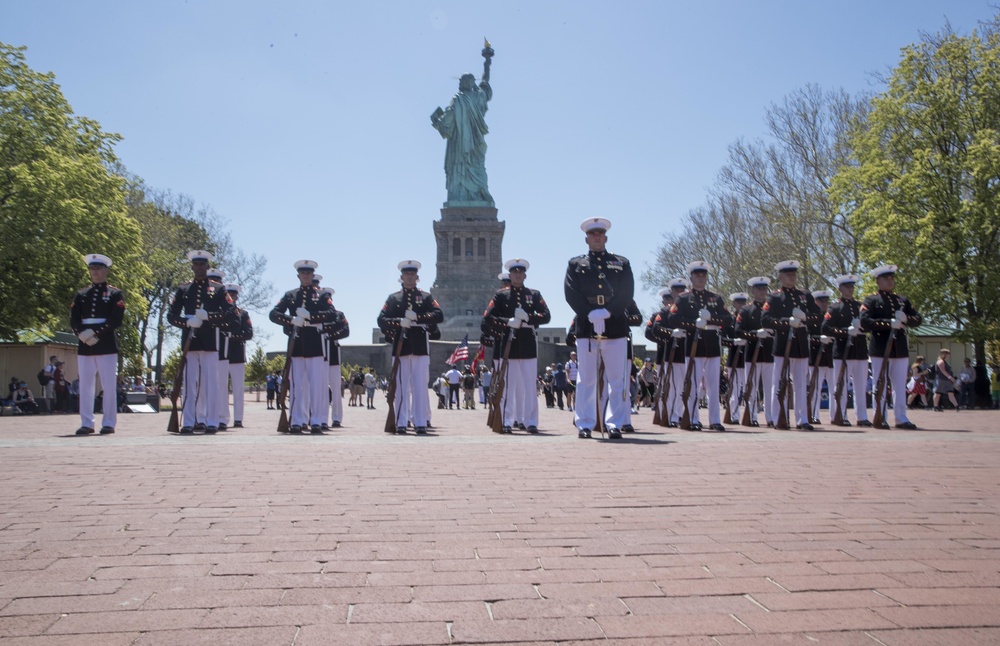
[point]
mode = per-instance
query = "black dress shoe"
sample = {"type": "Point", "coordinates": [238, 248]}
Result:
{"type": "Point", "coordinates": [324, 426]}
{"type": "Point", "coordinates": [316, 429]}
{"type": "Point", "coordinates": [421, 430]}
{"type": "Point", "coordinates": [717, 427]}
{"type": "Point", "coordinates": [222, 426]}
{"type": "Point", "coordinates": [906, 426]}
{"type": "Point", "coordinates": [770, 424]}
{"type": "Point", "coordinates": [295, 428]}
{"type": "Point", "coordinates": [107, 430]}
{"type": "Point", "coordinates": [754, 424]}
{"type": "Point", "coordinates": [805, 427]}
{"type": "Point", "coordinates": [847, 423]}
{"type": "Point", "coordinates": [400, 430]}
{"type": "Point", "coordinates": [521, 426]}
{"type": "Point", "coordinates": [187, 430]}
{"type": "Point", "coordinates": [237, 424]}
{"type": "Point", "coordinates": [532, 429]}
{"type": "Point", "coordinates": [200, 426]}
{"type": "Point", "coordinates": [814, 420]}
{"type": "Point", "coordinates": [884, 426]}
{"type": "Point", "coordinates": [863, 423]}
{"type": "Point", "coordinates": [84, 430]}
{"type": "Point", "coordinates": [671, 424]}
{"type": "Point", "coordinates": [508, 429]}
{"type": "Point", "coordinates": [614, 434]}
{"type": "Point", "coordinates": [696, 426]}
{"type": "Point", "coordinates": [335, 424]}
{"type": "Point", "coordinates": [584, 433]}
{"type": "Point", "coordinates": [211, 430]}
{"type": "Point", "coordinates": [628, 428]}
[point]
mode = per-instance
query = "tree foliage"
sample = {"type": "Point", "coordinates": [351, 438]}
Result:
{"type": "Point", "coordinates": [770, 201]}
{"type": "Point", "coordinates": [59, 200]}
{"type": "Point", "coordinates": [922, 186]}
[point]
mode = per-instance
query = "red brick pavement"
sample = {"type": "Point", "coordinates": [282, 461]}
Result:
{"type": "Point", "coordinates": [464, 536]}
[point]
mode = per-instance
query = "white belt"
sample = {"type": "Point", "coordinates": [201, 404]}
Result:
{"type": "Point", "coordinates": [94, 321]}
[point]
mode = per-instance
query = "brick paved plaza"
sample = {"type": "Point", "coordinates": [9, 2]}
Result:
{"type": "Point", "coordinates": [464, 536]}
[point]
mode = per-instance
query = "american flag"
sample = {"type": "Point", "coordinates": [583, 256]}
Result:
{"type": "Point", "coordinates": [461, 353]}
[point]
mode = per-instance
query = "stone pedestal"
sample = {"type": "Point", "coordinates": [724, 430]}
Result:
{"type": "Point", "coordinates": [469, 257]}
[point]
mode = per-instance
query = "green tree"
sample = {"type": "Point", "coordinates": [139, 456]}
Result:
{"type": "Point", "coordinates": [922, 188]}
{"type": "Point", "coordinates": [256, 368]}
{"type": "Point", "coordinates": [59, 200]}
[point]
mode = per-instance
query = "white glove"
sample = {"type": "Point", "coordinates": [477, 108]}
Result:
{"type": "Point", "coordinates": [405, 323]}
{"type": "Point", "coordinates": [411, 315]}
{"type": "Point", "coordinates": [798, 314]}
{"type": "Point", "coordinates": [901, 316]}
{"type": "Point", "coordinates": [520, 314]}
{"type": "Point", "coordinates": [91, 341]}
{"type": "Point", "coordinates": [853, 330]}
{"type": "Point", "coordinates": [302, 313]}
{"type": "Point", "coordinates": [678, 333]}
{"type": "Point", "coordinates": [794, 322]}
{"type": "Point", "coordinates": [298, 321]}
{"type": "Point", "coordinates": [201, 314]}
{"type": "Point", "coordinates": [86, 335]}
{"type": "Point", "coordinates": [825, 340]}
{"type": "Point", "coordinates": [897, 324]}
{"type": "Point", "coordinates": [856, 324]}
{"type": "Point", "coordinates": [514, 323]}
{"type": "Point", "coordinates": [599, 327]}
{"type": "Point", "coordinates": [701, 324]}
{"type": "Point", "coordinates": [598, 315]}
{"type": "Point", "coordinates": [704, 313]}
{"type": "Point", "coordinates": [194, 322]}
{"type": "Point", "coordinates": [763, 333]}
{"type": "Point", "coordinates": [739, 342]}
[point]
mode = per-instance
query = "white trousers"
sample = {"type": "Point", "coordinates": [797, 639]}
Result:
{"type": "Point", "coordinates": [707, 370]}
{"type": "Point", "coordinates": [764, 378]}
{"type": "Point", "coordinates": [200, 381]}
{"type": "Point", "coordinates": [413, 403]}
{"type": "Point", "coordinates": [797, 371]}
{"type": "Point", "coordinates": [856, 378]}
{"type": "Point", "coordinates": [221, 396]}
{"type": "Point", "coordinates": [520, 396]}
{"type": "Point", "coordinates": [337, 395]}
{"type": "Point", "coordinates": [898, 372]}
{"type": "Point", "coordinates": [613, 352]}
{"type": "Point", "coordinates": [825, 375]}
{"type": "Point", "coordinates": [737, 383]}
{"type": "Point", "coordinates": [237, 373]}
{"type": "Point", "coordinates": [309, 390]}
{"type": "Point", "coordinates": [675, 403]}
{"type": "Point", "coordinates": [88, 367]}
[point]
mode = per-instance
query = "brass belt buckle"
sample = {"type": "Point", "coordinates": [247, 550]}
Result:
{"type": "Point", "coordinates": [600, 299]}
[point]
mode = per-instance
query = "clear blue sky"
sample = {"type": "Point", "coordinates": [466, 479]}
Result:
{"type": "Point", "coordinates": [306, 124]}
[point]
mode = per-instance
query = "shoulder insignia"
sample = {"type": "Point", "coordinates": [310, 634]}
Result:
{"type": "Point", "coordinates": [434, 302]}
{"type": "Point", "coordinates": [828, 316]}
{"type": "Point", "coordinates": [767, 307]}
{"type": "Point", "coordinates": [121, 303]}
{"type": "Point", "coordinates": [864, 308]}
{"type": "Point", "coordinates": [673, 309]}
{"type": "Point", "coordinates": [229, 299]}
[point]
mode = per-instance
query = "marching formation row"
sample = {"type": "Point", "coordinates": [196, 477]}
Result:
{"type": "Point", "coordinates": [772, 336]}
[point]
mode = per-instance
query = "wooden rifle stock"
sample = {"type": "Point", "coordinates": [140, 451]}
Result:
{"type": "Point", "coordinates": [838, 413]}
{"type": "Point", "coordinates": [782, 420]}
{"type": "Point", "coordinates": [496, 421]}
{"type": "Point", "coordinates": [173, 424]}
{"type": "Point", "coordinates": [814, 381]}
{"type": "Point", "coordinates": [285, 385]}
{"type": "Point", "coordinates": [751, 385]}
{"type": "Point", "coordinates": [686, 392]}
{"type": "Point", "coordinates": [599, 420]}
{"type": "Point", "coordinates": [390, 392]}
{"type": "Point", "coordinates": [879, 418]}
{"type": "Point", "coordinates": [660, 400]}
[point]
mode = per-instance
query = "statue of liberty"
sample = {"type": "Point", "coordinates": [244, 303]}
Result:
{"type": "Point", "coordinates": [463, 124]}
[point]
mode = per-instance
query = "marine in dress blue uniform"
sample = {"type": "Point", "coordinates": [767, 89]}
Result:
{"type": "Point", "coordinates": [703, 313]}
{"type": "Point", "coordinates": [791, 313]}
{"type": "Point", "coordinates": [599, 287]}
{"type": "Point", "coordinates": [821, 358]}
{"type": "Point", "coordinates": [198, 308]}
{"type": "Point", "coordinates": [333, 332]}
{"type": "Point", "coordinates": [221, 393]}
{"type": "Point", "coordinates": [302, 312]}
{"type": "Point", "coordinates": [236, 339]}
{"type": "Point", "coordinates": [748, 325]}
{"type": "Point", "coordinates": [888, 315]}
{"type": "Point", "coordinates": [736, 359]}
{"type": "Point", "coordinates": [674, 358]}
{"type": "Point", "coordinates": [95, 315]}
{"type": "Point", "coordinates": [843, 322]}
{"type": "Point", "coordinates": [512, 318]}
{"type": "Point", "coordinates": [411, 316]}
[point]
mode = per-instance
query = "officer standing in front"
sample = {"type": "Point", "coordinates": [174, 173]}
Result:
{"type": "Point", "coordinates": [511, 317]}
{"type": "Point", "coordinates": [888, 315]}
{"type": "Point", "coordinates": [407, 320]}
{"type": "Point", "coordinates": [599, 287]}
{"type": "Point", "coordinates": [96, 313]}
{"type": "Point", "coordinates": [790, 312]}
{"type": "Point", "coordinates": [302, 312]}
{"type": "Point", "coordinates": [198, 307]}
{"type": "Point", "coordinates": [240, 332]}
{"type": "Point", "coordinates": [843, 322]}
{"type": "Point", "coordinates": [703, 313]}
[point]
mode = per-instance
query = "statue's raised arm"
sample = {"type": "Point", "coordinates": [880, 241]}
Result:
{"type": "Point", "coordinates": [463, 124]}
